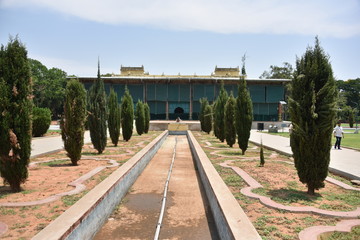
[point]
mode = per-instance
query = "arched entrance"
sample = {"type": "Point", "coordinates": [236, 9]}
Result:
{"type": "Point", "coordinates": [179, 110]}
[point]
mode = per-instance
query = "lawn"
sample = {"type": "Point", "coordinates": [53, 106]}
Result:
{"type": "Point", "coordinates": [350, 140]}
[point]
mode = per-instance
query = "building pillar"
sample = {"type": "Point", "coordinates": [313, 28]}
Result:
{"type": "Point", "coordinates": [167, 110]}
{"type": "Point", "coordinates": [191, 103]}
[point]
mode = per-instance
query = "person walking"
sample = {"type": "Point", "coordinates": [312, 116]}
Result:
{"type": "Point", "coordinates": [338, 133]}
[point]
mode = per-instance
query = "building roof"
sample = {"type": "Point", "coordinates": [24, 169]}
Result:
{"type": "Point", "coordinates": [134, 74]}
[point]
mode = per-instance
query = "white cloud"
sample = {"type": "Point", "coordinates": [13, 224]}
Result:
{"type": "Point", "coordinates": [336, 18]}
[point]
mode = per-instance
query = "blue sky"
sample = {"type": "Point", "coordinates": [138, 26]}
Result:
{"type": "Point", "coordinates": [187, 36]}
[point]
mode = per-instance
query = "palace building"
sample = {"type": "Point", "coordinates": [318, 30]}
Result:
{"type": "Point", "coordinates": [172, 96]}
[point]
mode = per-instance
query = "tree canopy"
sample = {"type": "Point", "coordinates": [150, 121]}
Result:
{"type": "Point", "coordinates": [49, 87]}
{"type": "Point", "coordinates": [276, 72]}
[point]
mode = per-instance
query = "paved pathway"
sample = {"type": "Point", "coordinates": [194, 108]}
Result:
{"type": "Point", "coordinates": [345, 162]}
{"type": "Point", "coordinates": [44, 145]}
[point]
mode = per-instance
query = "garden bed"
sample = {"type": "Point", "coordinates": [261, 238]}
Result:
{"type": "Point", "coordinates": [51, 175]}
{"type": "Point", "coordinates": [280, 182]}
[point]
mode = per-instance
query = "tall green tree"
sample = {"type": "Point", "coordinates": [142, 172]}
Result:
{"type": "Point", "coordinates": [127, 115]}
{"type": "Point", "coordinates": [97, 114]}
{"type": "Point", "coordinates": [203, 103]}
{"type": "Point", "coordinates": [147, 117]}
{"type": "Point", "coordinates": [49, 87]}
{"type": "Point", "coordinates": [219, 113]}
{"type": "Point", "coordinates": [114, 117]}
{"type": "Point", "coordinates": [276, 72]}
{"type": "Point", "coordinates": [230, 131]}
{"type": "Point", "coordinates": [140, 117]}
{"type": "Point", "coordinates": [16, 110]}
{"type": "Point", "coordinates": [244, 115]}
{"type": "Point", "coordinates": [351, 90]}
{"type": "Point", "coordinates": [312, 108]}
{"type": "Point", "coordinates": [214, 119]}
{"type": "Point", "coordinates": [208, 119]}
{"type": "Point", "coordinates": [73, 123]}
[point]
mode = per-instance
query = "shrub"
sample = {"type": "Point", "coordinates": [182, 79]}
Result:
{"type": "Point", "coordinates": [114, 117]}
{"type": "Point", "coordinates": [140, 117]}
{"type": "Point", "coordinates": [207, 119]}
{"type": "Point", "coordinates": [73, 123]}
{"type": "Point", "coordinates": [147, 117]}
{"type": "Point", "coordinates": [230, 131]}
{"type": "Point", "coordinates": [262, 159]}
{"type": "Point", "coordinates": [203, 103]}
{"type": "Point", "coordinates": [127, 115]}
{"type": "Point", "coordinates": [41, 121]}
{"type": "Point", "coordinates": [97, 114]}
{"type": "Point", "coordinates": [219, 113]}
{"type": "Point", "coordinates": [243, 115]}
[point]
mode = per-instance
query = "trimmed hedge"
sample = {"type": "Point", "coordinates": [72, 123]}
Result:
{"type": "Point", "coordinates": [41, 121]}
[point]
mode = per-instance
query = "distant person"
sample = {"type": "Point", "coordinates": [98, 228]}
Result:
{"type": "Point", "coordinates": [338, 133]}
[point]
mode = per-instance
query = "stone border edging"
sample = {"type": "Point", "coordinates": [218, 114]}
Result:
{"type": "Point", "coordinates": [253, 184]}
{"type": "Point", "coordinates": [86, 216]}
{"type": "Point", "coordinates": [3, 228]}
{"type": "Point", "coordinates": [79, 187]}
{"type": "Point", "coordinates": [230, 219]}
{"type": "Point", "coordinates": [313, 233]}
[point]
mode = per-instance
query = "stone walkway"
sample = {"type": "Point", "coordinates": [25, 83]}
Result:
{"type": "Point", "coordinates": [45, 145]}
{"type": "Point", "coordinates": [345, 162]}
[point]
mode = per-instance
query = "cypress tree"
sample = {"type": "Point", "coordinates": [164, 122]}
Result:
{"type": "Point", "coordinates": [114, 117]}
{"type": "Point", "coordinates": [244, 115]}
{"type": "Point", "coordinates": [351, 117]}
{"type": "Point", "coordinates": [203, 103]}
{"type": "Point", "coordinates": [127, 115]}
{"type": "Point", "coordinates": [214, 119]}
{"type": "Point", "coordinates": [219, 113]}
{"type": "Point", "coordinates": [207, 119]}
{"type": "Point", "coordinates": [16, 110]}
{"type": "Point", "coordinates": [97, 114]}
{"type": "Point", "coordinates": [230, 131]}
{"type": "Point", "coordinates": [312, 110]}
{"type": "Point", "coordinates": [262, 159]}
{"type": "Point", "coordinates": [140, 117]}
{"type": "Point", "coordinates": [147, 117]}
{"type": "Point", "coordinates": [73, 123]}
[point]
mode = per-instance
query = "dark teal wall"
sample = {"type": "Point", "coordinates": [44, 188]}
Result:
{"type": "Point", "coordinates": [265, 98]}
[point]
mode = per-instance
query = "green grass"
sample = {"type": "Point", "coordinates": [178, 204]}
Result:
{"type": "Point", "coordinates": [350, 140]}
{"type": "Point", "coordinates": [353, 235]}
{"type": "Point", "coordinates": [72, 199]}
{"type": "Point", "coordinates": [231, 153]}
{"type": "Point", "coordinates": [7, 211]}
{"type": "Point", "coordinates": [339, 202]}
{"type": "Point", "coordinates": [51, 131]}
{"type": "Point", "coordinates": [55, 163]}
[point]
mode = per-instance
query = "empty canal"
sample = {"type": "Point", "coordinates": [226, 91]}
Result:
{"type": "Point", "coordinates": [186, 214]}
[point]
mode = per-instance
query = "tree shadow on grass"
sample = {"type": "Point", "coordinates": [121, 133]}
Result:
{"type": "Point", "coordinates": [288, 196]}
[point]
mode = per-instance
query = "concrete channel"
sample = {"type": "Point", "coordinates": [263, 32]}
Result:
{"type": "Point", "coordinates": [186, 215]}
{"type": "Point", "coordinates": [127, 205]}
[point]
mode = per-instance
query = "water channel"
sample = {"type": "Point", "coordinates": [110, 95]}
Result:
{"type": "Point", "coordinates": [186, 212]}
